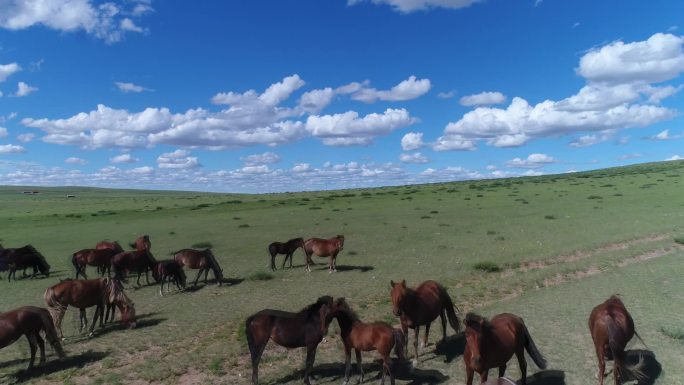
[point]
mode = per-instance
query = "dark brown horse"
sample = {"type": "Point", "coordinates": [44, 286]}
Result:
{"type": "Point", "coordinates": [23, 258]}
{"type": "Point", "coordinates": [140, 261]}
{"type": "Point", "coordinates": [109, 245]}
{"type": "Point", "coordinates": [101, 258]}
{"type": "Point", "coordinates": [611, 327]}
{"type": "Point", "coordinates": [490, 344]}
{"type": "Point", "coordinates": [82, 294]}
{"type": "Point", "coordinates": [169, 271]}
{"type": "Point", "coordinates": [29, 321]}
{"type": "Point", "coordinates": [364, 337]}
{"type": "Point", "coordinates": [291, 330]}
{"type": "Point", "coordinates": [142, 243]}
{"type": "Point", "coordinates": [288, 248]}
{"type": "Point", "coordinates": [203, 260]}
{"type": "Point", "coordinates": [420, 306]}
{"type": "Point", "coordinates": [324, 248]}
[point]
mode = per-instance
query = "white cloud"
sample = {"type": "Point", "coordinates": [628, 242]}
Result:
{"type": "Point", "coordinates": [412, 141]}
{"type": "Point", "coordinates": [301, 167]}
{"type": "Point", "coordinates": [538, 2]}
{"type": "Point", "coordinates": [590, 140]}
{"type": "Point", "coordinates": [315, 101]}
{"type": "Point", "coordinates": [130, 87]}
{"type": "Point", "coordinates": [3, 132]}
{"type": "Point", "coordinates": [11, 149]}
{"type": "Point", "coordinates": [532, 161]}
{"type": "Point", "coordinates": [665, 135]}
{"type": "Point", "coordinates": [453, 142]}
{"type": "Point", "coordinates": [127, 24]}
{"type": "Point", "coordinates": [348, 127]}
{"type": "Point", "coordinates": [8, 69]}
{"type": "Point", "coordinates": [144, 170]}
{"type": "Point", "coordinates": [575, 25]}
{"type": "Point", "coordinates": [123, 158]}
{"type": "Point", "coordinates": [75, 160]}
{"type": "Point", "coordinates": [416, 157]}
{"type": "Point", "coordinates": [408, 89]}
{"type": "Point", "coordinates": [260, 159]}
{"type": "Point", "coordinates": [483, 98]}
{"type": "Point", "coordinates": [446, 95]}
{"type": "Point", "coordinates": [408, 6]}
{"type": "Point", "coordinates": [178, 159]}
{"type": "Point", "coordinates": [24, 89]}
{"type": "Point", "coordinates": [25, 138]}
{"type": "Point", "coordinates": [674, 157]}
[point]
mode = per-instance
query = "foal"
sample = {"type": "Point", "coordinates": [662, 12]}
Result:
{"type": "Point", "coordinates": [288, 248]}
{"type": "Point", "coordinates": [169, 271]}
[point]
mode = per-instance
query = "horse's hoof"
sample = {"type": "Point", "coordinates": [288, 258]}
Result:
{"type": "Point", "coordinates": [414, 363]}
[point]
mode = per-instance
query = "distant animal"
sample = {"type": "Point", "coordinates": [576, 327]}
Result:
{"type": "Point", "coordinates": [87, 293]}
{"type": "Point", "coordinates": [324, 248]}
{"type": "Point", "coordinates": [420, 306]}
{"type": "Point", "coordinates": [203, 260]}
{"type": "Point", "coordinates": [101, 258]}
{"type": "Point", "coordinates": [29, 321]}
{"type": "Point", "coordinates": [288, 248]}
{"type": "Point", "coordinates": [169, 271]}
{"type": "Point", "coordinates": [365, 337]}
{"type": "Point", "coordinates": [140, 261]}
{"type": "Point", "coordinates": [23, 258]}
{"type": "Point", "coordinates": [611, 327]}
{"type": "Point", "coordinates": [490, 344]}
{"type": "Point", "coordinates": [291, 330]}
{"type": "Point", "coordinates": [142, 243]}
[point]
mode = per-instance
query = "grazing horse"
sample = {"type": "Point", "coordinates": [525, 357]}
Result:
{"type": "Point", "coordinates": [288, 248]}
{"type": "Point", "coordinates": [202, 260]}
{"type": "Point", "coordinates": [23, 258]}
{"type": "Point", "coordinates": [140, 261]}
{"type": "Point", "coordinates": [101, 258]}
{"type": "Point", "coordinates": [109, 245]}
{"type": "Point", "coordinates": [324, 248]}
{"type": "Point", "coordinates": [291, 330]}
{"type": "Point", "coordinates": [142, 243]}
{"type": "Point", "coordinates": [490, 344]}
{"type": "Point", "coordinates": [611, 327]}
{"type": "Point", "coordinates": [29, 321]}
{"type": "Point", "coordinates": [420, 306]}
{"type": "Point", "coordinates": [365, 337]}
{"type": "Point", "coordinates": [169, 271]}
{"type": "Point", "coordinates": [82, 294]}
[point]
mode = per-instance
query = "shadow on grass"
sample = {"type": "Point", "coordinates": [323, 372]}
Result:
{"type": "Point", "coordinates": [343, 268]}
{"type": "Point", "coordinates": [546, 377]}
{"type": "Point", "coordinates": [141, 321]}
{"type": "Point", "coordinates": [651, 367]}
{"type": "Point", "coordinates": [52, 366]}
{"type": "Point", "coordinates": [452, 347]}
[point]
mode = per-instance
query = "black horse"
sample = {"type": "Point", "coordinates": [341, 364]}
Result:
{"type": "Point", "coordinates": [23, 258]}
{"type": "Point", "coordinates": [288, 248]}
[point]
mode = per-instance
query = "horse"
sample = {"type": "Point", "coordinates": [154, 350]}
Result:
{"type": "Point", "coordinates": [82, 294]}
{"type": "Point", "coordinates": [202, 260]}
{"type": "Point", "coordinates": [420, 306]}
{"type": "Point", "coordinates": [142, 243]}
{"type": "Point", "coordinates": [167, 271]}
{"type": "Point", "coordinates": [30, 321]}
{"type": "Point", "coordinates": [324, 248]}
{"type": "Point", "coordinates": [288, 248]}
{"type": "Point", "coordinates": [291, 330]}
{"type": "Point", "coordinates": [611, 327]}
{"type": "Point", "coordinates": [23, 258]}
{"type": "Point", "coordinates": [490, 344]}
{"type": "Point", "coordinates": [101, 258]}
{"type": "Point", "coordinates": [109, 245]}
{"type": "Point", "coordinates": [365, 337]}
{"type": "Point", "coordinates": [136, 260]}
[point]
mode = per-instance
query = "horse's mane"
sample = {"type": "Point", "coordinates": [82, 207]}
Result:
{"type": "Point", "coordinates": [114, 292]}
{"type": "Point", "coordinates": [41, 258]}
{"type": "Point", "coordinates": [314, 307]}
{"type": "Point", "coordinates": [476, 319]}
{"type": "Point", "coordinates": [149, 255]}
{"type": "Point", "coordinates": [214, 264]}
{"type": "Point", "coordinates": [342, 306]}
{"type": "Point", "coordinates": [293, 240]}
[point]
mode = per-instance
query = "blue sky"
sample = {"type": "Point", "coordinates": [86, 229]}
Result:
{"type": "Point", "coordinates": [262, 96]}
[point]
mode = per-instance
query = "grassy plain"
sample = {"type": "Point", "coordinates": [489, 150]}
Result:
{"type": "Point", "coordinates": [547, 248]}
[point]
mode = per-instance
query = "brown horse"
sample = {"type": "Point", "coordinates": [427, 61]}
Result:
{"type": "Point", "coordinates": [101, 258]}
{"type": "Point", "coordinates": [611, 327]}
{"type": "Point", "coordinates": [324, 248]}
{"type": "Point", "coordinates": [420, 306]}
{"type": "Point", "coordinates": [169, 271]}
{"type": "Point", "coordinates": [140, 261]}
{"type": "Point", "coordinates": [109, 245]}
{"type": "Point", "coordinates": [365, 337]}
{"type": "Point", "coordinates": [23, 258]}
{"type": "Point", "coordinates": [291, 330]}
{"type": "Point", "coordinates": [29, 321]}
{"type": "Point", "coordinates": [87, 293]}
{"type": "Point", "coordinates": [288, 248]}
{"type": "Point", "coordinates": [142, 243]}
{"type": "Point", "coordinates": [203, 260]}
{"type": "Point", "coordinates": [490, 344]}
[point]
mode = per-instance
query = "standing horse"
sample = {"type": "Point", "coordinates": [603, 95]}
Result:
{"type": "Point", "coordinates": [142, 243]}
{"type": "Point", "coordinates": [420, 306]}
{"type": "Point", "coordinates": [29, 321]}
{"type": "Point", "coordinates": [203, 260]}
{"type": "Point", "coordinates": [169, 271]}
{"type": "Point", "coordinates": [140, 261]}
{"type": "Point", "coordinates": [82, 294]}
{"type": "Point", "coordinates": [324, 248]}
{"type": "Point", "coordinates": [23, 258]}
{"type": "Point", "coordinates": [365, 337]}
{"type": "Point", "coordinates": [109, 245]}
{"type": "Point", "coordinates": [101, 258]}
{"type": "Point", "coordinates": [490, 344]}
{"type": "Point", "coordinates": [291, 330]}
{"type": "Point", "coordinates": [611, 327]}
{"type": "Point", "coordinates": [288, 248]}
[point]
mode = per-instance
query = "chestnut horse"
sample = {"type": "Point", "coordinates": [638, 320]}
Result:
{"type": "Point", "coordinates": [490, 344]}
{"type": "Point", "coordinates": [140, 261]}
{"type": "Point", "coordinates": [23, 258]}
{"type": "Point", "coordinates": [203, 260]}
{"type": "Point", "coordinates": [324, 248]}
{"type": "Point", "coordinates": [169, 271]}
{"type": "Point", "coordinates": [81, 294]}
{"type": "Point", "coordinates": [365, 337]}
{"type": "Point", "coordinates": [288, 248]}
{"type": "Point", "coordinates": [291, 330]}
{"type": "Point", "coordinates": [611, 327]}
{"type": "Point", "coordinates": [109, 245]}
{"type": "Point", "coordinates": [142, 243]}
{"type": "Point", "coordinates": [101, 258]}
{"type": "Point", "coordinates": [29, 321]}
{"type": "Point", "coordinates": [420, 306]}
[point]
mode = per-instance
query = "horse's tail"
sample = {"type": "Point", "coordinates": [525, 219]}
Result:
{"type": "Point", "coordinates": [251, 343]}
{"type": "Point", "coordinates": [532, 350]}
{"type": "Point", "coordinates": [54, 307]}
{"type": "Point", "coordinates": [51, 332]}
{"type": "Point", "coordinates": [77, 266]}
{"type": "Point", "coordinates": [616, 342]}
{"type": "Point", "coordinates": [399, 343]}
{"type": "Point", "coordinates": [449, 307]}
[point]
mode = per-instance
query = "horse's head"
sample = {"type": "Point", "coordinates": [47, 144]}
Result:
{"type": "Point", "coordinates": [127, 310]}
{"type": "Point", "coordinates": [397, 294]}
{"type": "Point", "coordinates": [340, 241]}
{"type": "Point", "coordinates": [475, 326]}
{"type": "Point", "coordinates": [325, 305]}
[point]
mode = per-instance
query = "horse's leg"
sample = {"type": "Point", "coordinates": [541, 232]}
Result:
{"type": "Point", "coordinates": [161, 287]}
{"type": "Point", "coordinates": [33, 344]}
{"type": "Point", "coordinates": [442, 318]}
{"type": "Point", "coordinates": [484, 375]}
{"type": "Point", "coordinates": [138, 281]}
{"type": "Point", "coordinates": [99, 309]}
{"type": "Point", "coordinates": [273, 255]}
{"type": "Point", "coordinates": [347, 364]}
{"type": "Point", "coordinates": [83, 319]}
{"type": "Point", "coordinates": [415, 344]}
{"type": "Point", "coordinates": [469, 375]}
{"type": "Point", "coordinates": [523, 365]}
{"type": "Point", "coordinates": [198, 276]}
{"type": "Point", "coordinates": [256, 357]}
{"type": "Point", "coordinates": [291, 253]}
{"type": "Point", "coordinates": [502, 370]}
{"type": "Point", "coordinates": [310, 357]}
{"type": "Point", "coordinates": [147, 277]}
{"type": "Point", "coordinates": [425, 337]}
{"type": "Point", "coordinates": [58, 323]}
{"type": "Point", "coordinates": [206, 273]}
{"type": "Point", "coordinates": [41, 345]}
{"type": "Point", "coordinates": [601, 363]}
{"type": "Point", "coordinates": [359, 364]}
{"type": "Point", "coordinates": [386, 369]}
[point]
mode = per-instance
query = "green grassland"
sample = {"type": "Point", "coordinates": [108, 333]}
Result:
{"type": "Point", "coordinates": [547, 248]}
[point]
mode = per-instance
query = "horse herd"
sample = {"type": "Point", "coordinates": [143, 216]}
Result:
{"type": "Point", "coordinates": [489, 343]}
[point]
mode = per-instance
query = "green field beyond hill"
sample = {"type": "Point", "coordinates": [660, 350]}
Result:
{"type": "Point", "coordinates": [546, 248]}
